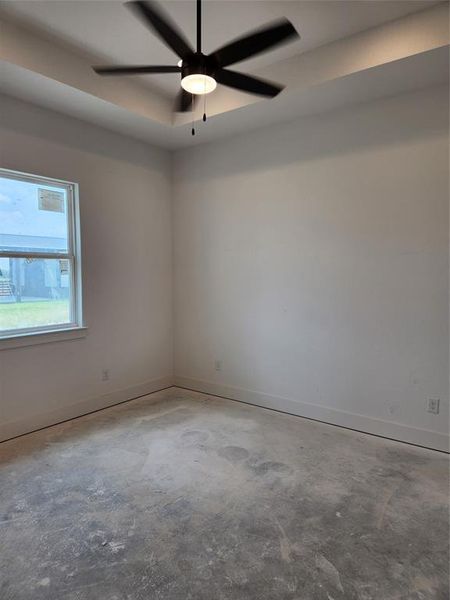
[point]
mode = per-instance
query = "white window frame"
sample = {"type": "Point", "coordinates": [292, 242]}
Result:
{"type": "Point", "coordinates": [68, 330]}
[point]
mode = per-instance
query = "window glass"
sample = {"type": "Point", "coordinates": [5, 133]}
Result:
{"type": "Point", "coordinates": [34, 292]}
{"type": "Point", "coordinates": [33, 216]}
{"type": "Point", "coordinates": [39, 262]}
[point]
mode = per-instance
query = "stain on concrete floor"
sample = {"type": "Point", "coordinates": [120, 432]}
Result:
{"type": "Point", "coordinates": [179, 496]}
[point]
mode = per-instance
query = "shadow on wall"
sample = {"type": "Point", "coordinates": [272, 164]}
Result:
{"type": "Point", "coordinates": [21, 117]}
{"type": "Point", "coordinates": [313, 137]}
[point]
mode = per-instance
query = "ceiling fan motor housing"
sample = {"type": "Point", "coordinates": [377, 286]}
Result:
{"type": "Point", "coordinates": [199, 64]}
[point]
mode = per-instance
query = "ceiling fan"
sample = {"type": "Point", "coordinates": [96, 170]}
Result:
{"type": "Point", "coordinates": [200, 73]}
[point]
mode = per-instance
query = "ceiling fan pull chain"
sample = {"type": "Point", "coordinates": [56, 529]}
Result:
{"type": "Point", "coordinates": [204, 106]}
{"type": "Point", "coordinates": [193, 115]}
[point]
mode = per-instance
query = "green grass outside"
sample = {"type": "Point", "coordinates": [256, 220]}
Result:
{"type": "Point", "coordinates": [33, 314]}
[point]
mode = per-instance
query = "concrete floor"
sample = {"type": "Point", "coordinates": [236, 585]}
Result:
{"type": "Point", "coordinates": [179, 496]}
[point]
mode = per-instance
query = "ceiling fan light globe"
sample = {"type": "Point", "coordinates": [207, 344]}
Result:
{"type": "Point", "coordinates": [198, 84]}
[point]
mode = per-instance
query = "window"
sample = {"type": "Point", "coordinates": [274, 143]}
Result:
{"type": "Point", "coordinates": [40, 278]}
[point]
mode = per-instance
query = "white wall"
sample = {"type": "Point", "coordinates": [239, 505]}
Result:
{"type": "Point", "coordinates": [126, 241]}
{"type": "Point", "coordinates": [312, 260]}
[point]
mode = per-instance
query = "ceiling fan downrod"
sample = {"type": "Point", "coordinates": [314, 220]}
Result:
{"type": "Point", "coordinates": [199, 26]}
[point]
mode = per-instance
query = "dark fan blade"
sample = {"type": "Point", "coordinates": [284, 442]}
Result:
{"type": "Point", "coordinates": [135, 70]}
{"type": "Point", "coordinates": [184, 102]}
{"type": "Point", "coordinates": [259, 41]}
{"type": "Point", "coordinates": [152, 16]}
{"type": "Point", "coordinates": [247, 83]}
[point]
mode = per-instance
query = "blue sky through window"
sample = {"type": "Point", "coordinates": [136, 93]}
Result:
{"type": "Point", "coordinates": [30, 209]}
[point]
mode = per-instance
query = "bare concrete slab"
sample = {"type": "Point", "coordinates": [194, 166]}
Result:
{"type": "Point", "coordinates": [179, 496]}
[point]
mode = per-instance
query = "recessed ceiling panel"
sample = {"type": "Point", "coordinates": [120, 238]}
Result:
{"type": "Point", "coordinates": [111, 33]}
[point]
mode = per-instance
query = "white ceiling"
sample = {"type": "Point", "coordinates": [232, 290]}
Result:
{"type": "Point", "coordinates": [350, 52]}
{"type": "Point", "coordinates": [110, 33]}
{"type": "Point", "coordinates": [416, 72]}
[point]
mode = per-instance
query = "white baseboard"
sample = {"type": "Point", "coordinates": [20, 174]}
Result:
{"type": "Point", "coordinates": [395, 431]}
{"type": "Point", "coordinates": [34, 422]}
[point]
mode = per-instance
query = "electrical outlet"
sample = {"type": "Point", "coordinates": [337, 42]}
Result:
{"type": "Point", "coordinates": [218, 365]}
{"type": "Point", "coordinates": [433, 406]}
{"type": "Point", "coordinates": [105, 375]}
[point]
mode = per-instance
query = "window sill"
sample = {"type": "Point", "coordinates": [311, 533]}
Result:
{"type": "Point", "coordinates": [42, 337]}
